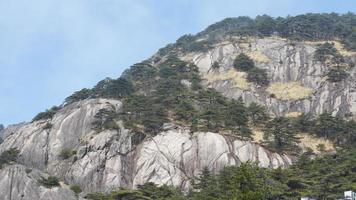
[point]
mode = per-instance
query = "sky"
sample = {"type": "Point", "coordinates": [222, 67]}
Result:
{"type": "Point", "coordinates": [51, 48]}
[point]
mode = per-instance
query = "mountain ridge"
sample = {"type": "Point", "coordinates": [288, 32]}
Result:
{"type": "Point", "coordinates": [198, 103]}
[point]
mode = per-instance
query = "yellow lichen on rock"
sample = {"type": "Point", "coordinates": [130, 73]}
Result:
{"type": "Point", "coordinates": [258, 56]}
{"type": "Point", "coordinates": [238, 79]}
{"type": "Point", "coordinates": [309, 141]}
{"type": "Point", "coordinates": [289, 91]}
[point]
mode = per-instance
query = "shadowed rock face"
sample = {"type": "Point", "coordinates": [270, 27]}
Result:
{"type": "Point", "coordinates": [284, 63]}
{"type": "Point", "coordinates": [106, 160]}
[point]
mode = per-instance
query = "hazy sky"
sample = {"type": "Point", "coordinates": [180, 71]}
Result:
{"type": "Point", "coordinates": [51, 48]}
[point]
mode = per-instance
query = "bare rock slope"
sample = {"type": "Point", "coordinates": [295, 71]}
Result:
{"type": "Point", "coordinates": [103, 161]}
{"type": "Point", "coordinates": [298, 82]}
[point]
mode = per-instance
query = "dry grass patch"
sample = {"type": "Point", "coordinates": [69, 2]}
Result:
{"type": "Point", "coordinates": [293, 114]}
{"type": "Point", "coordinates": [309, 141]}
{"type": "Point", "coordinates": [238, 79]}
{"type": "Point", "coordinates": [258, 57]}
{"type": "Point", "coordinates": [289, 91]}
{"type": "Point", "coordinates": [257, 135]}
{"type": "Point", "coordinates": [338, 45]}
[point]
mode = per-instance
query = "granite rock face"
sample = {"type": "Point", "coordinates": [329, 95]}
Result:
{"type": "Point", "coordinates": [106, 160]}
{"type": "Point", "coordinates": [103, 160]}
{"type": "Point", "coordinates": [20, 183]}
{"type": "Point", "coordinates": [285, 62]}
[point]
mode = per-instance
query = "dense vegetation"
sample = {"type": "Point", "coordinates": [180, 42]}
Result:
{"type": "Point", "coordinates": [8, 156]}
{"type": "Point", "coordinates": [311, 27]}
{"type": "Point", "coordinates": [48, 114]}
{"type": "Point", "coordinates": [170, 91]}
{"type": "Point", "coordinates": [176, 94]}
{"type": "Point", "coordinates": [330, 56]}
{"type": "Point", "coordinates": [49, 182]}
{"type": "Point", "coordinates": [256, 75]}
{"type": "Point", "coordinates": [321, 178]}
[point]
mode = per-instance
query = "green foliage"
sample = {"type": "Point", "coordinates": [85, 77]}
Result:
{"type": "Point", "coordinates": [47, 126]}
{"type": "Point", "coordinates": [76, 189]}
{"type": "Point", "coordinates": [189, 43]}
{"type": "Point", "coordinates": [258, 114]}
{"type": "Point", "coordinates": [79, 95]}
{"type": "Point", "coordinates": [245, 182]}
{"type": "Point", "coordinates": [66, 153]}
{"type": "Point", "coordinates": [265, 25]}
{"type": "Point", "coordinates": [280, 135]}
{"type": "Point", "coordinates": [336, 129]}
{"type": "Point", "coordinates": [301, 27]}
{"type": "Point", "coordinates": [321, 178]}
{"type": "Point", "coordinates": [336, 74]}
{"type": "Point", "coordinates": [105, 119]}
{"type": "Point", "coordinates": [140, 72]}
{"type": "Point", "coordinates": [237, 118]}
{"type": "Point", "coordinates": [48, 114]}
{"type": "Point", "coordinates": [138, 114]}
{"type": "Point", "coordinates": [304, 123]}
{"type": "Point", "coordinates": [164, 192]}
{"type": "Point", "coordinates": [215, 65]}
{"type": "Point", "coordinates": [326, 177]}
{"type": "Point", "coordinates": [325, 51]}
{"type": "Point", "coordinates": [243, 62]}
{"type": "Point", "coordinates": [116, 89]}
{"type": "Point", "coordinates": [49, 182]}
{"type": "Point", "coordinates": [118, 195]}
{"type": "Point", "coordinates": [8, 156]}
{"type": "Point", "coordinates": [350, 40]}
{"type": "Point", "coordinates": [258, 76]}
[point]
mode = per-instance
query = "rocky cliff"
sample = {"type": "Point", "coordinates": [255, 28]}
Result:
{"type": "Point", "coordinates": [69, 146]}
{"type": "Point", "coordinates": [298, 82]}
{"type": "Point", "coordinates": [103, 161]}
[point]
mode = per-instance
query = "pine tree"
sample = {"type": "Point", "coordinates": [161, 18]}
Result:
{"type": "Point", "coordinates": [243, 62]}
{"type": "Point", "coordinates": [280, 134]}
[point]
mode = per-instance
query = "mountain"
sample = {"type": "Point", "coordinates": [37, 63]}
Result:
{"type": "Point", "coordinates": [267, 90]}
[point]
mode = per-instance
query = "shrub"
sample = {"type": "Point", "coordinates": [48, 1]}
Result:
{"type": "Point", "coordinates": [47, 126]}
{"type": "Point", "coordinates": [76, 189]}
{"type": "Point", "coordinates": [105, 120]}
{"type": "Point", "coordinates": [336, 75]}
{"type": "Point", "coordinates": [79, 95]}
{"type": "Point", "coordinates": [243, 62]}
{"type": "Point", "coordinates": [8, 156]}
{"type": "Point", "coordinates": [215, 65]}
{"type": "Point", "coordinates": [325, 51]}
{"type": "Point", "coordinates": [49, 182]}
{"type": "Point", "coordinates": [66, 153]}
{"type": "Point", "coordinates": [258, 76]}
{"type": "Point", "coordinates": [48, 114]}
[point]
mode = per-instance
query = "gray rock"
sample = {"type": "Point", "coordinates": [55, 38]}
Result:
{"type": "Point", "coordinates": [285, 63]}
{"type": "Point", "coordinates": [19, 183]}
{"type": "Point", "coordinates": [105, 160]}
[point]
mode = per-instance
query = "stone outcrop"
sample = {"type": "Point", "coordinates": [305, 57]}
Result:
{"type": "Point", "coordinates": [285, 62]}
{"type": "Point", "coordinates": [20, 183]}
{"type": "Point", "coordinates": [105, 160]}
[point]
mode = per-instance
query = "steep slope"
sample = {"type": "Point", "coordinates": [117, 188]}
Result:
{"type": "Point", "coordinates": [289, 64]}
{"type": "Point", "coordinates": [106, 160]}
{"type": "Point", "coordinates": [18, 182]}
{"type": "Point", "coordinates": [163, 122]}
